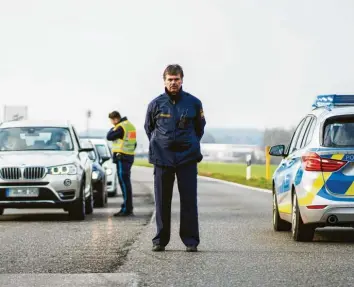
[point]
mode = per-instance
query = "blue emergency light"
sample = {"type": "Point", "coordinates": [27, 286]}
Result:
{"type": "Point", "coordinates": [329, 101]}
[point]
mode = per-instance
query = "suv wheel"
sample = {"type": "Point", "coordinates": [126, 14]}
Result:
{"type": "Point", "coordinates": [299, 230]}
{"type": "Point", "coordinates": [2, 211]}
{"type": "Point", "coordinates": [278, 223]}
{"type": "Point", "coordinates": [77, 211]}
{"type": "Point", "coordinates": [89, 203]}
{"type": "Point", "coordinates": [101, 196]}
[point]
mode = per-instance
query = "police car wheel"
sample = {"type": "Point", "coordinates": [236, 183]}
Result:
{"type": "Point", "coordinates": [278, 223]}
{"type": "Point", "coordinates": [2, 211]}
{"type": "Point", "coordinates": [299, 230]}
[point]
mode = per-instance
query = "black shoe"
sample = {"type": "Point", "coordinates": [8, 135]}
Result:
{"type": "Point", "coordinates": [122, 213]}
{"type": "Point", "coordinates": [158, 248]}
{"type": "Point", "coordinates": [191, 249]}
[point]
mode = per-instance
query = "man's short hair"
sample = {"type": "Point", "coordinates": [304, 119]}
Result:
{"type": "Point", "coordinates": [173, 70]}
{"type": "Point", "coordinates": [114, 115]}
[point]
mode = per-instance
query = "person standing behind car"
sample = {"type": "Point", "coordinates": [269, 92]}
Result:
{"type": "Point", "coordinates": [123, 137]}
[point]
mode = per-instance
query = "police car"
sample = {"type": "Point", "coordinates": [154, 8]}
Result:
{"type": "Point", "coordinates": [313, 186]}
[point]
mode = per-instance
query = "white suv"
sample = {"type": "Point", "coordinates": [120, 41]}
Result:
{"type": "Point", "coordinates": [42, 165]}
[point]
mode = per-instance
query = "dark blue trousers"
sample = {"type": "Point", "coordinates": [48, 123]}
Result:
{"type": "Point", "coordinates": [124, 172]}
{"type": "Point", "coordinates": [164, 178]}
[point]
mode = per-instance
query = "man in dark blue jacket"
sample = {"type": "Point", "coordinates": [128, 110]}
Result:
{"type": "Point", "coordinates": [175, 125]}
{"type": "Point", "coordinates": [123, 137]}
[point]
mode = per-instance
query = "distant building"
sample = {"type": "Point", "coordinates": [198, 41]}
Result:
{"type": "Point", "coordinates": [232, 152]}
{"type": "Point", "coordinates": [210, 151]}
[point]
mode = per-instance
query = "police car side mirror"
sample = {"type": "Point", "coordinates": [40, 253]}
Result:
{"type": "Point", "coordinates": [277, 150]}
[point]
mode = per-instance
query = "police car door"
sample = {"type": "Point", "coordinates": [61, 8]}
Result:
{"type": "Point", "coordinates": [290, 167]}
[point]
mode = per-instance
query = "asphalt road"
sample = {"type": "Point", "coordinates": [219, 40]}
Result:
{"type": "Point", "coordinates": [238, 246]}
{"type": "Point", "coordinates": [46, 241]}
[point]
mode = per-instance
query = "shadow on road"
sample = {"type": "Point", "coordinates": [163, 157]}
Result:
{"type": "Point", "coordinates": [337, 235]}
{"type": "Point", "coordinates": [64, 217]}
{"type": "Point", "coordinates": [57, 217]}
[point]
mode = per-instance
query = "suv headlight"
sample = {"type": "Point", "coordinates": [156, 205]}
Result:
{"type": "Point", "coordinates": [95, 175]}
{"type": "Point", "coordinates": [63, 169]}
{"type": "Point", "coordinates": [108, 171]}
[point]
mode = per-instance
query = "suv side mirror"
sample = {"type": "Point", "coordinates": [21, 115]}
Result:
{"type": "Point", "coordinates": [104, 159]}
{"type": "Point", "coordinates": [277, 150]}
{"type": "Point", "coordinates": [91, 156]}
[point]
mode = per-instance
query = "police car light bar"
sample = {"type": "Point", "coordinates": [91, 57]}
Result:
{"type": "Point", "coordinates": [330, 101]}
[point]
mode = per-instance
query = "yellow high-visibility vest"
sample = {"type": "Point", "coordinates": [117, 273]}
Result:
{"type": "Point", "coordinates": [127, 144]}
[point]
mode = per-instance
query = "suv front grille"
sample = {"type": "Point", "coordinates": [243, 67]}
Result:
{"type": "Point", "coordinates": [33, 172]}
{"type": "Point", "coordinates": [10, 173]}
{"type": "Point", "coordinates": [16, 173]}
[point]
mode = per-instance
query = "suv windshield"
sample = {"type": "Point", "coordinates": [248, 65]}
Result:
{"type": "Point", "coordinates": [339, 132]}
{"type": "Point", "coordinates": [35, 138]}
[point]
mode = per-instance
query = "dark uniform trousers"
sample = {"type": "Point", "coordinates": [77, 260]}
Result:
{"type": "Point", "coordinates": [124, 172]}
{"type": "Point", "coordinates": [164, 178]}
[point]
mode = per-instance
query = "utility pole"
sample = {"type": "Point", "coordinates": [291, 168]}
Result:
{"type": "Point", "coordinates": [88, 116]}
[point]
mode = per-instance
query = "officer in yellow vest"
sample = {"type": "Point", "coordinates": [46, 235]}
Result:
{"type": "Point", "coordinates": [123, 137]}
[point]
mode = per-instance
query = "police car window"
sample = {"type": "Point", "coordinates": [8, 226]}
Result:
{"type": "Point", "coordinates": [309, 134]}
{"type": "Point", "coordinates": [302, 133]}
{"type": "Point", "coordinates": [339, 132]}
{"type": "Point", "coordinates": [295, 137]}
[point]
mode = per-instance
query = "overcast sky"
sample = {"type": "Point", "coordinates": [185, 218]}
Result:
{"type": "Point", "coordinates": [252, 63]}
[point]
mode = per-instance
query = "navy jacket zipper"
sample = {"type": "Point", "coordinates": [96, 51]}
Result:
{"type": "Point", "coordinates": [174, 131]}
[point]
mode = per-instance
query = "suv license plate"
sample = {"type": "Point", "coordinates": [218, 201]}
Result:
{"type": "Point", "coordinates": [22, 192]}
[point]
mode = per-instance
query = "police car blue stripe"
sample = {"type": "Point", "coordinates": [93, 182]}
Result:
{"type": "Point", "coordinates": [298, 176]}
{"type": "Point", "coordinates": [339, 183]}
{"type": "Point", "coordinates": [323, 193]}
{"type": "Point", "coordinates": [286, 184]}
{"type": "Point", "coordinates": [348, 157]}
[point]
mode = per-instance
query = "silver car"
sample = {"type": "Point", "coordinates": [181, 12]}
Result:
{"type": "Point", "coordinates": [313, 185]}
{"type": "Point", "coordinates": [105, 153]}
{"type": "Point", "coordinates": [43, 166]}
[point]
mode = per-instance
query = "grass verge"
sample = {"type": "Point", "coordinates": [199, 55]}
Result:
{"type": "Point", "coordinates": [233, 172]}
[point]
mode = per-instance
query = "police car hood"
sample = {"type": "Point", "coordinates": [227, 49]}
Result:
{"type": "Point", "coordinates": [37, 158]}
